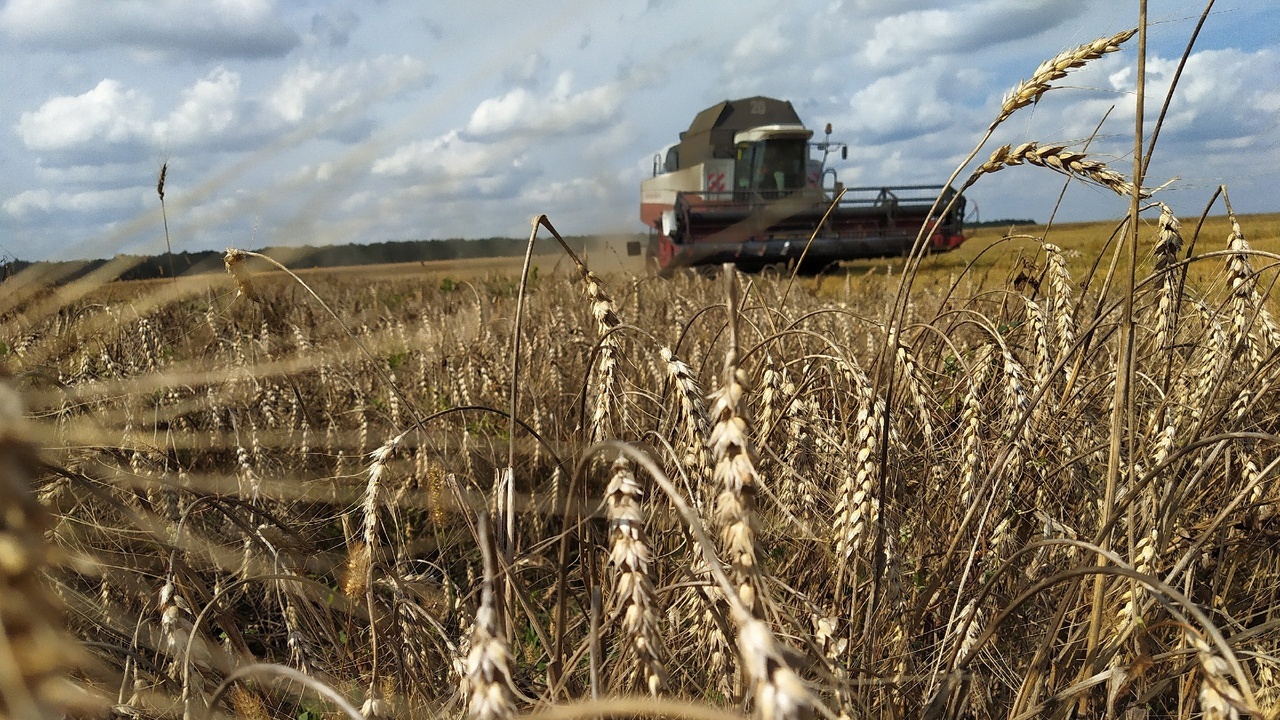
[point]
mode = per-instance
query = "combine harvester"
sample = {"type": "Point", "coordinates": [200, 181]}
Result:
{"type": "Point", "coordinates": [744, 186]}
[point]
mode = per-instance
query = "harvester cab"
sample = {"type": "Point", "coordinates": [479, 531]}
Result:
{"type": "Point", "coordinates": [745, 185]}
{"type": "Point", "coordinates": [771, 160]}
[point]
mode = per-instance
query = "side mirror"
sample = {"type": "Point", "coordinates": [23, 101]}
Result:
{"type": "Point", "coordinates": [633, 248]}
{"type": "Point", "coordinates": [844, 153]}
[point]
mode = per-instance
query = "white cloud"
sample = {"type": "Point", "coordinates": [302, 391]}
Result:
{"type": "Point", "coordinates": [308, 87]}
{"type": "Point", "coordinates": [83, 128]}
{"type": "Point", "coordinates": [293, 91]}
{"type": "Point", "coordinates": [29, 202]}
{"type": "Point", "coordinates": [560, 112]}
{"type": "Point", "coordinates": [1218, 97]}
{"type": "Point", "coordinates": [208, 109]}
{"type": "Point", "coordinates": [914, 102]}
{"type": "Point", "coordinates": [211, 113]}
{"type": "Point", "coordinates": [108, 113]}
{"type": "Point", "coordinates": [42, 202]}
{"type": "Point", "coordinates": [761, 47]}
{"type": "Point", "coordinates": [908, 38]}
{"type": "Point", "coordinates": [449, 155]}
{"type": "Point", "coordinates": [210, 28]}
{"type": "Point", "coordinates": [1219, 91]}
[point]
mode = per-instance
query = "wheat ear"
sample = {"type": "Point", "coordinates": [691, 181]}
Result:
{"type": "Point", "coordinates": [1132, 597]}
{"type": "Point", "coordinates": [1029, 91]}
{"type": "Point", "coordinates": [487, 684]}
{"type": "Point", "coordinates": [606, 316]}
{"type": "Point", "coordinates": [692, 419]}
{"type": "Point", "coordinates": [1062, 308]}
{"type": "Point", "coordinates": [1245, 298]}
{"type": "Point", "coordinates": [735, 469]}
{"type": "Point", "coordinates": [360, 556]}
{"type": "Point", "coordinates": [1214, 356]}
{"type": "Point", "coordinates": [234, 260]}
{"type": "Point", "coordinates": [1059, 159]}
{"type": "Point", "coordinates": [1219, 699]}
{"type": "Point", "coordinates": [971, 425]}
{"type": "Point", "coordinates": [919, 393]}
{"type": "Point", "coordinates": [858, 509]}
{"type": "Point", "coordinates": [1168, 244]}
{"type": "Point", "coordinates": [1017, 407]}
{"type": "Point", "coordinates": [629, 554]}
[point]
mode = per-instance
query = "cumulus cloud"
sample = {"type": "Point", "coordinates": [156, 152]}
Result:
{"type": "Point", "coordinates": [307, 86]}
{"type": "Point", "coordinates": [1218, 98]}
{"type": "Point", "coordinates": [448, 156]}
{"type": "Point", "coordinates": [561, 112]}
{"type": "Point", "coordinates": [108, 113]}
{"type": "Point", "coordinates": [760, 47]}
{"type": "Point", "coordinates": [208, 109]}
{"type": "Point", "coordinates": [1219, 93]}
{"type": "Point", "coordinates": [904, 39]}
{"type": "Point", "coordinates": [111, 122]}
{"type": "Point", "coordinates": [29, 203]}
{"type": "Point", "coordinates": [176, 28]}
{"type": "Point", "coordinates": [910, 103]}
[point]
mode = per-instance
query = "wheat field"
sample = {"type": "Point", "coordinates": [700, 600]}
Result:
{"type": "Point", "coordinates": [1020, 489]}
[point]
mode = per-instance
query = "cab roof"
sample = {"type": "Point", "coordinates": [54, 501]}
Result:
{"type": "Point", "coordinates": [711, 134]}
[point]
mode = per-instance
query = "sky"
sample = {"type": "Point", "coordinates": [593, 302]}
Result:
{"type": "Point", "coordinates": [315, 122]}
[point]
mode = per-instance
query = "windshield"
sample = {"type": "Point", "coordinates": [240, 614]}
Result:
{"type": "Point", "coordinates": [772, 165]}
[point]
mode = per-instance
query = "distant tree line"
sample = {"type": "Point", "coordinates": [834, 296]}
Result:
{"type": "Point", "coordinates": [300, 258]}
{"type": "Point", "coordinates": [999, 223]}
